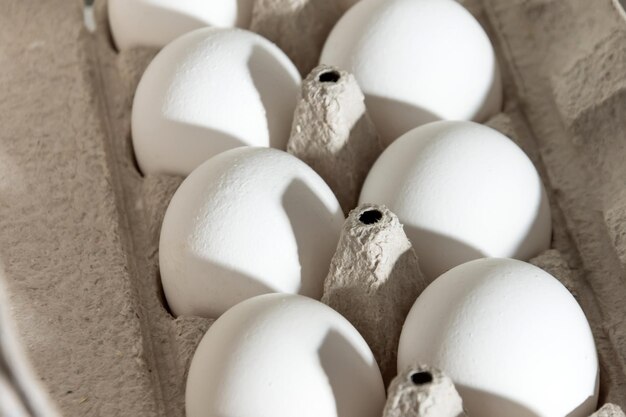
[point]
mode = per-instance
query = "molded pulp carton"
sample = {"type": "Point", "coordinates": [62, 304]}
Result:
{"type": "Point", "coordinates": [84, 330]}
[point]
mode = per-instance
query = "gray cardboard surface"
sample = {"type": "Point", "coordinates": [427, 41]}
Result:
{"type": "Point", "coordinates": [79, 224]}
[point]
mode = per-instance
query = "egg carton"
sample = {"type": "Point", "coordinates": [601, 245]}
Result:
{"type": "Point", "coordinates": [84, 327]}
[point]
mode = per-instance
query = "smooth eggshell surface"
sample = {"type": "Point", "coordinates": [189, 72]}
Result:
{"type": "Point", "coordinates": [155, 23]}
{"type": "Point", "coordinates": [208, 91]}
{"type": "Point", "coordinates": [511, 337]}
{"type": "Point", "coordinates": [417, 61]}
{"type": "Point", "coordinates": [247, 222]}
{"type": "Point", "coordinates": [463, 191]}
{"type": "Point", "coordinates": [282, 355]}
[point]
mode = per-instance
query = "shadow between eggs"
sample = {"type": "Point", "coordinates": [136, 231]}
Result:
{"type": "Point", "coordinates": [448, 251]}
{"type": "Point", "coordinates": [497, 405]}
{"type": "Point", "coordinates": [406, 116]}
{"type": "Point", "coordinates": [303, 207]}
{"type": "Point", "coordinates": [346, 371]}
{"type": "Point", "coordinates": [475, 399]}
{"type": "Point", "coordinates": [273, 82]}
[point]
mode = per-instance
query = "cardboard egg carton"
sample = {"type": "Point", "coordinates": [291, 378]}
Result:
{"type": "Point", "coordinates": [84, 329]}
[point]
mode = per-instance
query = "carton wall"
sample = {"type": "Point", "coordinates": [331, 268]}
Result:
{"type": "Point", "coordinates": [79, 224]}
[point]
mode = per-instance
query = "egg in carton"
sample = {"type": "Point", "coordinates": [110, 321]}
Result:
{"type": "Point", "coordinates": [81, 224]}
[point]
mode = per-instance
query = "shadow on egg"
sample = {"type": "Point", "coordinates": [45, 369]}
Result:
{"type": "Point", "coordinates": [343, 365]}
{"type": "Point", "coordinates": [232, 285]}
{"type": "Point", "coordinates": [220, 141]}
{"type": "Point", "coordinates": [126, 35]}
{"type": "Point", "coordinates": [445, 252]}
{"type": "Point", "coordinates": [205, 141]}
{"type": "Point", "coordinates": [278, 92]}
{"type": "Point", "coordinates": [409, 116]}
{"type": "Point", "coordinates": [302, 206]}
{"type": "Point", "coordinates": [475, 399]}
{"type": "Point", "coordinates": [167, 158]}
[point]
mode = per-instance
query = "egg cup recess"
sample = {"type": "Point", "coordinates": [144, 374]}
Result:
{"type": "Point", "coordinates": [246, 222]}
{"type": "Point", "coordinates": [208, 91]}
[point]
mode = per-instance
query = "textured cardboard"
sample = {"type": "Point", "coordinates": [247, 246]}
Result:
{"type": "Point", "coordinates": [333, 133]}
{"type": "Point", "coordinates": [79, 224]}
{"type": "Point", "coordinates": [374, 279]}
{"type": "Point", "coordinates": [423, 391]}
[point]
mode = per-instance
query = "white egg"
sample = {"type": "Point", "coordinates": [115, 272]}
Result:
{"type": "Point", "coordinates": [417, 61]}
{"type": "Point", "coordinates": [282, 355]}
{"type": "Point", "coordinates": [463, 191]}
{"type": "Point", "coordinates": [155, 23]}
{"type": "Point", "coordinates": [208, 91]}
{"type": "Point", "coordinates": [511, 337]}
{"type": "Point", "coordinates": [247, 222]}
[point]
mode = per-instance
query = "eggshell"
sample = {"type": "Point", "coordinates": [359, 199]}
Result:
{"type": "Point", "coordinates": [463, 191]}
{"type": "Point", "coordinates": [282, 355]}
{"type": "Point", "coordinates": [155, 23]}
{"type": "Point", "coordinates": [247, 222]}
{"type": "Point", "coordinates": [511, 337]}
{"type": "Point", "coordinates": [417, 61]}
{"type": "Point", "coordinates": [208, 91]}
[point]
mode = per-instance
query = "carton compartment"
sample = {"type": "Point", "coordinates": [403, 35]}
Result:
{"type": "Point", "coordinates": [80, 224]}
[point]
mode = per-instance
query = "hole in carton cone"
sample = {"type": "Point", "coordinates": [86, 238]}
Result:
{"type": "Point", "coordinates": [421, 378]}
{"type": "Point", "coordinates": [329, 77]}
{"type": "Point", "coordinates": [370, 216]}
{"type": "Point", "coordinates": [89, 16]}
